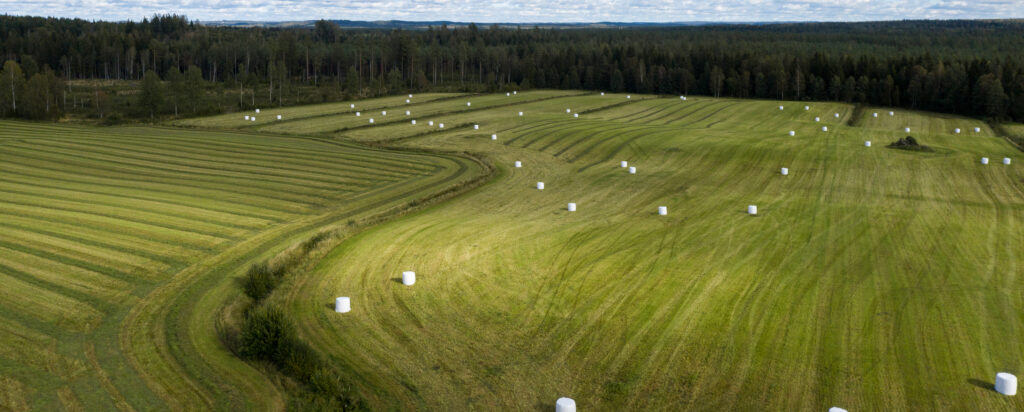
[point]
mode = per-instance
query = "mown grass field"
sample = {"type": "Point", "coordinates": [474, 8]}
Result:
{"type": "Point", "coordinates": [118, 247]}
{"type": "Point", "coordinates": [872, 279]}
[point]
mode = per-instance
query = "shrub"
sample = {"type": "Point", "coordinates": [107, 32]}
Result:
{"type": "Point", "coordinates": [259, 281]}
{"type": "Point", "coordinates": [267, 335]}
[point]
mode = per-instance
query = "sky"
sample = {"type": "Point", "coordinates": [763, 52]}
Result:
{"type": "Point", "coordinates": [524, 11]}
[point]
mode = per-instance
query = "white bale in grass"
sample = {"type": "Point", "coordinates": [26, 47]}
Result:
{"type": "Point", "coordinates": [494, 137]}
{"type": "Point", "coordinates": [407, 100]}
{"type": "Point", "coordinates": [358, 114]}
{"type": "Point", "coordinates": [792, 132]}
{"type": "Point", "coordinates": [351, 106]}
{"type": "Point", "coordinates": [408, 112]}
{"type": "Point", "coordinates": [257, 110]}
{"type": "Point", "coordinates": [515, 92]}
{"type": "Point", "coordinates": [663, 210]}
{"type": "Point", "coordinates": [408, 278]}
{"type": "Point", "coordinates": [540, 185]}
{"type": "Point", "coordinates": [752, 210]}
{"type": "Point", "coordinates": [519, 163]}
{"type": "Point", "coordinates": [577, 115]}
{"type": "Point", "coordinates": [806, 108]}
{"type": "Point", "coordinates": [867, 143]}
{"type": "Point", "coordinates": [837, 115]}
{"type": "Point", "coordinates": [781, 107]}
{"type": "Point", "coordinates": [413, 122]}
{"type": "Point", "coordinates": [984, 160]}
{"type": "Point", "coordinates": [1006, 384]}
{"type": "Point", "coordinates": [824, 128]}
{"type": "Point", "coordinates": [520, 113]}
{"type": "Point", "coordinates": [977, 130]}
{"type": "Point", "coordinates": [571, 207]}
{"type": "Point", "coordinates": [785, 171]}
{"type": "Point", "coordinates": [441, 125]}
{"type": "Point", "coordinates": [892, 113]}
{"type": "Point", "coordinates": [602, 93]}
{"type": "Point", "coordinates": [410, 96]}
{"type": "Point", "coordinates": [906, 130]}
{"type": "Point", "coordinates": [875, 114]}
{"type": "Point", "coordinates": [383, 112]}
{"type": "Point", "coordinates": [253, 118]}
{"type": "Point", "coordinates": [565, 405]}
{"type": "Point", "coordinates": [623, 164]}
{"type": "Point", "coordinates": [632, 170]}
{"type": "Point", "coordinates": [568, 110]}
{"type": "Point", "coordinates": [957, 130]}
{"type": "Point", "coordinates": [476, 127]}
{"type": "Point", "coordinates": [469, 104]}
{"type": "Point", "coordinates": [508, 94]}
{"type": "Point", "coordinates": [430, 123]}
{"type": "Point", "coordinates": [343, 304]}
{"type": "Point", "coordinates": [371, 120]}
{"type": "Point", "coordinates": [278, 117]}
{"type": "Point", "coordinates": [1006, 160]}
{"type": "Point", "coordinates": [817, 119]}
{"type": "Point", "coordinates": [629, 97]}
{"type": "Point", "coordinates": [246, 117]}
{"type": "Point", "coordinates": [837, 409]}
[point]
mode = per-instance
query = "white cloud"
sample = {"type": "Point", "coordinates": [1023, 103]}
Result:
{"type": "Point", "coordinates": [486, 11]}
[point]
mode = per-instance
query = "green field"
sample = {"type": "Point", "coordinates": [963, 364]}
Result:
{"type": "Point", "coordinates": [871, 279]}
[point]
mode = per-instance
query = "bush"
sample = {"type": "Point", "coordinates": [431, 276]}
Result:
{"type": "Point", "coordinates": [267, 335]}
{"type": "Point", "coordinates": [259, 281]}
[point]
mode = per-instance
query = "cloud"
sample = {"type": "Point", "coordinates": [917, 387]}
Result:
{"type": "Point", "coordinates": [525, 11]}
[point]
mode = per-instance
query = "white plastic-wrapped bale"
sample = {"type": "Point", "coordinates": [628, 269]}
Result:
{"type": "Point", "coordinates": [824, 128]}
{"type": "Point", "coordinates": [957, 130]}
{"type": "Point", "coordinates": [602, 93]}
{"type": "Point", "coordinates": [892, 113]}
{"type": "Point", "coordinates": [520, 113]}
{"type": "Point", "coordinates": [414, 122]}
{"type": "Point", "coordinates": [246, 117]}
{"type": "Point", "coordinates": [623, 164]}
{"type": "Point", "coordinates": [906, 130]}
{"type": "Point", "coordinates": [785, 171]}
{"type": "Point", "coordinates": [371, 120]}
{"type": "Point", "coordinates": [977, 130]}
{"type": "Point", "coordinates": [430, 123]}
{"type": "Point", "coordinates": [571, 207]}
{"type": "Point", "coordinates": [663, 210]}
{"type": "Point", "coordinates": [629, 97]}
{"type": "Point", "coordinates": [494, 137]}
{"type": "Point", "coordinates": [837, 115]}
{"type": "Point", "coordinates": [384, 113]}
{"type": "Point", "coordinates": [792, 132]}
{"type": "Point", "coordinates": [278, 117]}
{"type": "Point", "coordinates": [519, 163]}
{"type": "Point", "coordinates": [440, 125]}
{"type": "Point", "coordinates": [806, 108]}
{"type": "Point", "coordinates": [406, 100]}
{"type": "Point", "coordinates": [867, 143]}
{"type": "Point", "coordinates": [1006, 160]}
{"type": "Point", "coordinates": [407, 112]}
{"type": "Point", "coordinates": [508, 94]}
{"type": "Point", "coordinates": [410, 96]}
{"type": "Point", "coordinates": [540, 185]}
{"type": "Point", "coordinates": [253, 118]}
{"type": "Point", "coordinates": [408, 278]}
{"type": "Point", "coordinates": [565, 405]}
{"type": "Point", "coordinates": [568, 110]}
{"type": "Point", "coordinates": [984, 160]}
{"type": "Point", "coordinates": [875, 114]}
{"type": "Point", "coordinates": [817, 119]}
{"type": "Point", "coordinates": [781, 108]}
{"type": "Point", "coordinates": [632, 170]}
{"type": "Point", "coordinates": [476, 127]}
{"type": "Point", "coordinates": [1006, 384]}
{"type": "Point", "coordinates": [469, 104]}
{"type": "Point", "coordinates": [351, 106]}
{"type": "Point", "coordinates": [343, 304]}
{"type": "Point", "coordinates": [576, 115]}
{"type": "Point", "coordinates": [358, 114]}
{"type": "Point", "coordinates": [752, 210]}
{"type": "Point", "coordinates": [515, 92]}
{"type": "Point", "coordinates": [257, 110]}
{"type": "Point", "coordinates": [837, 409]}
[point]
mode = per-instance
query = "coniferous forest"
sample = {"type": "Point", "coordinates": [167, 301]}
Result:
{"type": "Point", "coordinates": [169, 66]}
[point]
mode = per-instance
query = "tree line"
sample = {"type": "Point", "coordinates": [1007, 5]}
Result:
{"type": "Point", "coordinates": [964, 67]}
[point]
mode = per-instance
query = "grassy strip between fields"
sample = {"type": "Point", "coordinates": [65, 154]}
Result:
{"type": "Point", "coordinates": [265, 334]}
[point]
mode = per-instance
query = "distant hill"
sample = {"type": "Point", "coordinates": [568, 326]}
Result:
{"type": "Point", "coordinates": [417, 25]}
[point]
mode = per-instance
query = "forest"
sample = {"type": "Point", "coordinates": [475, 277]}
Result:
{"type": "Point", "coordinates": [168, 65]}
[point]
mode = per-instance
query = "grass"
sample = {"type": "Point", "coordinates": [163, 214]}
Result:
{"type": "Point", "coordinates": [871, 279]}
{"type": "Point", "coordinates": [111, 237]}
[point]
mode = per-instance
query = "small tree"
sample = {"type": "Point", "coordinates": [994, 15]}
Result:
{"type": "Point", "coordinates": [12, 81]}
{"type": "Point", "coordinates": [152, 96]}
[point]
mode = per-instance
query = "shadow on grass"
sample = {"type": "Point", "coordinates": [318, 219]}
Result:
{"type": "Point", "coordinates": [989, 386]}
{"type": "Point", "coordinates": [397, 280]}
